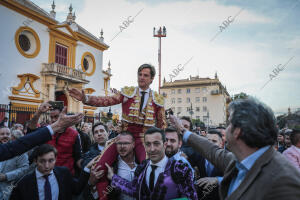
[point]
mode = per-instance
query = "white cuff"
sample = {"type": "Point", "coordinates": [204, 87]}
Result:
{"type": "Point", "coordinates": [87, 170]}
{"type": "Point", "coordinates": [50, 129]}
{"type": "Point", "coordinates": [186, 135]}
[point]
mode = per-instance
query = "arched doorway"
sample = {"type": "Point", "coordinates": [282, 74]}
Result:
{"type": "Point", "coordinates": [60, 96]}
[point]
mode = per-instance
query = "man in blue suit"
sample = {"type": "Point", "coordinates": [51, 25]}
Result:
{"type": "Point", "coordinates": [40, 136]}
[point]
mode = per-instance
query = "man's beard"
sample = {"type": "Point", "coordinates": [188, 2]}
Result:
{"type": "Point", "coordinates": [169, 154]}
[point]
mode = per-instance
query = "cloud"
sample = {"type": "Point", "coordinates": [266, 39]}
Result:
{"type": "Point", "coordinates": [243, 54]}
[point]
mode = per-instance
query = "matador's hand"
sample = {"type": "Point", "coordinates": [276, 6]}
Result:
{"type": "Point", "coordinates": [77, 94]}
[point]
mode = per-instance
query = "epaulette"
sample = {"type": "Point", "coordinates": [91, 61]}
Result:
{"type": "Point", "coordinates": [128, 91]}
{"type": "Point", "coordinates": [158, 99]}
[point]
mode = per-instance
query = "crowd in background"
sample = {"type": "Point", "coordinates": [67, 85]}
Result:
{"type": "Point", "coordinates": [78, 146]}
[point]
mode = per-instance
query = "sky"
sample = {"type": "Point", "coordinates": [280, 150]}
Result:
{"type": "Point", "coordinates": [253, 45]}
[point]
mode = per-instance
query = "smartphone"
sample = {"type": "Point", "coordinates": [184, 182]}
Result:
{"type": "Point", "coordinates": [57, 105]}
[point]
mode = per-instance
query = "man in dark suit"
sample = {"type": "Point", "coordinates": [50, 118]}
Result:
{"type": "Point", "coordinates": [254, 169]}
{"type": "Point", "coordinates": [48, 182]}
{"type": "Point", "coordinates": [40, 136]}
{"type": "Point", "coordinates": [100, 136]}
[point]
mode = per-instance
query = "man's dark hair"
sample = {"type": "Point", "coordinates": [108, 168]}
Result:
{"type": "Point", "coordinates": [189, 120]}
{"type": "Point", "coordinates": [147, 66]}
{"type": "Point", "coordinates": [295, 136]}
{"type": "Point", "coordinates": [124, 133]}
{"type": "Point", "coordinates": [173, 129]}
{"type": "Point", "coordinates": [216, 132]}
{"type": "Point", "coordinates": [155, 130]}
{"type": "Point", "coordinates": [42, 150]}
{"type": "Point", "coordinates": [256, 121]}
{"type": "Point", "coordinates": [98, 124]}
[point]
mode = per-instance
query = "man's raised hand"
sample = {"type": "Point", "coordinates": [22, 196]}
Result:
{"type": "Point", "coordinates": [44, 107]}
{"type": "Point", "coordinates": [64, 121]}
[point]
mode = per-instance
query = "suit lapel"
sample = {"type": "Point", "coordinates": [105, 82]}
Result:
{"type": "Point", "coordinates": [35, 191]}
{"type": "Point", "coordinates": [252, 174]}
{"type": "Point", "coordinates": [228, 176]}
{"type": "Point", "coordinates": [59, 182]}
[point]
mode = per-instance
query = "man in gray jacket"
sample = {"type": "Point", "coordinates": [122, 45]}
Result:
{"type": "Point", "coordinates": [10, 170]}
{"type": "Point", "coordinates": [254, 169]}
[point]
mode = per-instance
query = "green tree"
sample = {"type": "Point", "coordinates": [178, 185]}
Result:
{"type": "Point", "coordinates": [241, 95]}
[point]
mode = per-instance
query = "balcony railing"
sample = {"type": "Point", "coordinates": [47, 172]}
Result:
{"type": "Point", "coordinates": [64, 72]}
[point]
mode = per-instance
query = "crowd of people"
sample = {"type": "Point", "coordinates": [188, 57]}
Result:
{"type": "Point", "coordinates": [149, 155]}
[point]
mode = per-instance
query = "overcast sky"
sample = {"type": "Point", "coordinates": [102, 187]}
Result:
{"type": "Point", "coordinates": [259, 36]}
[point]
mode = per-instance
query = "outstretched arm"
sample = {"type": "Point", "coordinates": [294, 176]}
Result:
{"type": "Point", "coordinates": [44, 107]}
{"type": "Point", "coordinates": [97, 101]}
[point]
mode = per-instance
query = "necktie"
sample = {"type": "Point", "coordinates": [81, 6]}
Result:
{"type": "Point", "coordinates": [142, 100]}
{"type": "Point", "coordinates": [47, 188]}
{"type": "Point", "coordinates": [152, 177]}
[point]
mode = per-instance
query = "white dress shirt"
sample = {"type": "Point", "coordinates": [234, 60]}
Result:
{"type": "Point", "coordinates": [127, 173]}
{"type": "Point", "coordinates": [100, 147]}
{"type": "Point", "coordinates": [146, 96]}
{"type": "Point", "coordinates": [161, 165]}
{"type": "Point", "coordinates": [41, 183]}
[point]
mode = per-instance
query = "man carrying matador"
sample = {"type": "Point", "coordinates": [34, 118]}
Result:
{"type": "Point", "coordinates": [142, 108]}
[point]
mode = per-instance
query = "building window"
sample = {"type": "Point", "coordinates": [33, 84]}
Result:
{"type": "Point", "coordinates": [188, 109]}
{"type": "Point", "coordinates": [179, 109]}
{"type": "Point", "coordinates": [173, 91]}
{"type": "Point", "coordinates": [88, 64]}
{"type": "Point", "coordinates": [61, 54]}
{"type": "Point", "coordinates": [197, 117]}
{"type": "Point", "coordinates": [27, 42]}
{"type": "Point", "coordinates": [173, 101]}
{"type": "Point", "coordinates": [197, 90]}
{"type": "Point", "coordinates": [197, 99]}
{"type": "Point", "coordinates": [85, 64]}
{"type": "Point", "coordinates": [204, 89]}
{"type": "Point", "coordinates": [197, 109]}
{"type": "Point", "coordinates": [179, 100]}
{"type": "Point", "coordinates": [188, 90]}
{"type": "Point", "coordinates": [188, 100]}
{"type": "Point", "coordinates": [179, 91]}
{"type": "Point", "coordinates": [204, 109]}
{"type": "Point", "coordinates": [204, 99]}
{"type": "Point", "coordinates": [205, 119]}
{"type": "Point", "coordinates": [24, 42]}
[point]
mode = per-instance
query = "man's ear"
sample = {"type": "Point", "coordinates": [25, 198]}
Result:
{"type": "Point", "coordinates": [180, 143]}
{"type": "Point", "coordinates": [237, 133]}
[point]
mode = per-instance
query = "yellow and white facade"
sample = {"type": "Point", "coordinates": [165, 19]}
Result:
{"type": "Point", "coordinates": [205, 99]}
{"type": "Point", "coordinates": [41, 58]}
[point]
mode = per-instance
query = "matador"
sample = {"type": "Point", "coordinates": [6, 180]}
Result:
{"type": "Point", "coordinates": [142, 108]}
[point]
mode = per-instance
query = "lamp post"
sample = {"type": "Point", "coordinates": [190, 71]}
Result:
{"type": "Point", "coordinates": [159, 33]}
{"type": "Point", "coordinates": [191, 112]}
{"type": "Point", "coordinates": [109, 114]}
{"type": "Point", "coordinates": [207, 121]}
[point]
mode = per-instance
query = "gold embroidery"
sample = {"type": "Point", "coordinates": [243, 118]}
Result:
{"type": "Point", "coordinates": [128, 91]}
{"type": "Point", "coordinates": [158, 99]}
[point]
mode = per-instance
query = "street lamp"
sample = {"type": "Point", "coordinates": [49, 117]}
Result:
{"type": "Point", "coordinates": [207, 121]}
{"type": "Point", "coordinates": [159, 33]}
{"type": "Point", "coordinates": [109, 114]}
{"type": "Point", "coordinates": [191, 111]}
